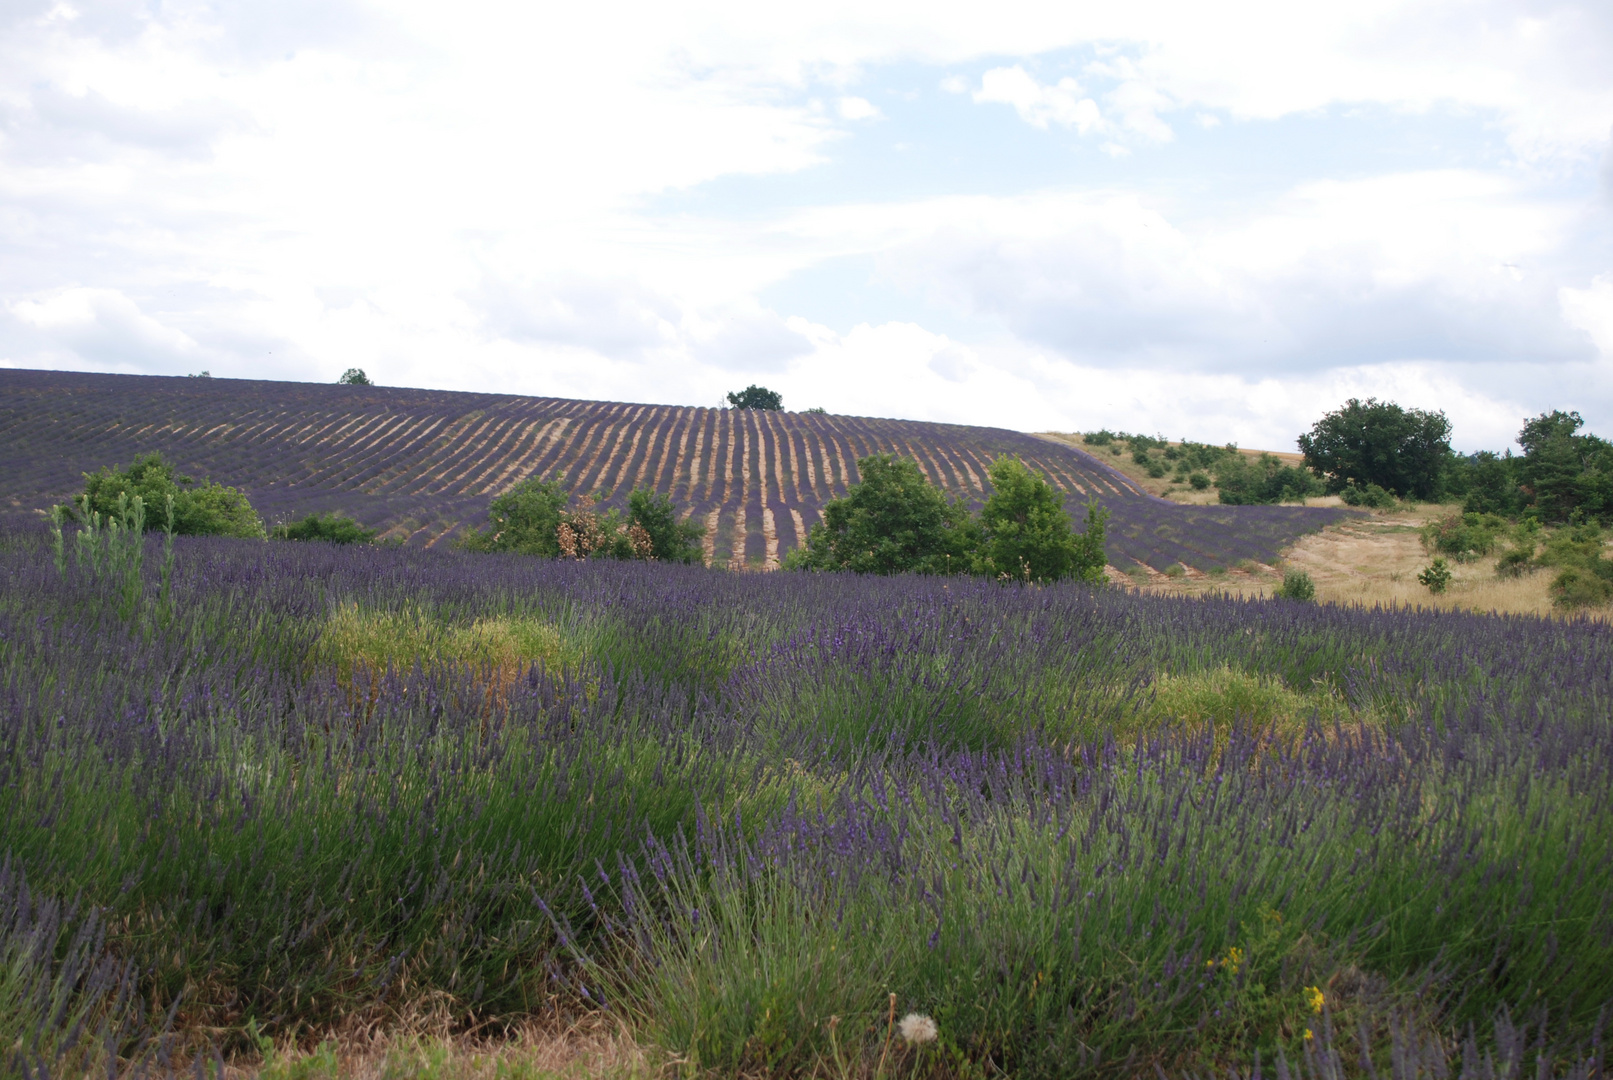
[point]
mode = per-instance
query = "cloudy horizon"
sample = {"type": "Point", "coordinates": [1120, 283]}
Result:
{"type": "Point", "coordinates": [1212, 224]}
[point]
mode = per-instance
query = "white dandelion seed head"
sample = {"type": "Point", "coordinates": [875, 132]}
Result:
{"type": "Point", "coordinates": [917, 1028]}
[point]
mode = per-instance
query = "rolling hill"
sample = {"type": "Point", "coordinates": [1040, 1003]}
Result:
{"type": "Point", "coordinates": [423, 464]}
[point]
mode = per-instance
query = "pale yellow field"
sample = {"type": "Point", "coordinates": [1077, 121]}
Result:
{"type": "Point", "coordinates": [1373, 560]}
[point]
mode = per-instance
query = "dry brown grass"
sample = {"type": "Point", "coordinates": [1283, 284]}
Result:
{"type": "Point", "coordinates": [1371, 560]}
{"type": "Point", "coordinates": [592, 1046]}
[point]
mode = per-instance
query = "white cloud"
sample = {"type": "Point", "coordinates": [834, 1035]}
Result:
{"type": "Point", "coordinates": [1038, 104]}
{"type": "Point", "coordinates": [856, 108]}
{"type": "Point", "coordinates": [103, 325]}
{"type": "Point", "coordinates": [1591, 310]}
{"type": "Point", "coordinates": [1398, 268]}
{"type": "Point", "coordinates": [481, 196]}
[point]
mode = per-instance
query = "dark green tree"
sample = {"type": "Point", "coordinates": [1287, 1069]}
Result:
{"type": "Point", "coordinates": [892, 521]}
{"type": "Point", "coordinates": [354, 377]}
{"type": "Point", "coordinates": [1378, 442]}
{"type": "Point", "coordinates": [1027, 534]}
{"type": "Point", "coordinates": [206, 509]}
{"type": "Point", "coordinates": [671, 540]}
{"type": "Point", "coordinates": [1487, 483]}
{"type": "Point", "coordinates": [524, 520]}
{"type": "Point", "coordinates": [330, 528]}
{"type": "Point", "coordinates": [1564, 472]}
{"type": "Point", "coordinates": [757, 397]}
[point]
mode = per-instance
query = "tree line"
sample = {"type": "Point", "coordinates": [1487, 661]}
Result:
{"type": "Point", "coordinates": [892, 521]}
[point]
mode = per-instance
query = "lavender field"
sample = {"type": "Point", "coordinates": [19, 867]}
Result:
{"type": "Point", "coordinates": [1084, 832]}
{"type": "Point", "coordinates": [423, 464]}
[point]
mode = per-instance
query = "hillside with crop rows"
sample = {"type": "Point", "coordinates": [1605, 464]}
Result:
{"type": "Point", "coordinates": [423, 464]}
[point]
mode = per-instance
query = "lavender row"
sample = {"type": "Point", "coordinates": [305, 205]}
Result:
{"type": "Point", "coordinates": [960, 792]}
{"type": "Point", "coordinates": [425, 463]}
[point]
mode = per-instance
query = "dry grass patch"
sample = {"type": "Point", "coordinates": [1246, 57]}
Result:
{"type": "Point", "coordinates": [593, 1046]}
{"type": "Point", "coordinates": [1371, 560]}
{"type": "Point", "coordinates": [364, 645]}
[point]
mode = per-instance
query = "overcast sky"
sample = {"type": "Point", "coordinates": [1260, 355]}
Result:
{"type": "Point", "coordinates": [1214, 221]}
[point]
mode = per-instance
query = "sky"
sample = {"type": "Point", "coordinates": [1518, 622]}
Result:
{"type": "Point", "coordinates": [1210, 221]}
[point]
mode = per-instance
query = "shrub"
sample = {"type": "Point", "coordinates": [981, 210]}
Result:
{"type": "Point", "coordinates": [1576, 587]}
{"type": "Point", "coordinates": [1243, 482]}
{"type": "Point", "coordinates": [1297, 585]}
{"type": "Point", "coordinates": [1139, 455]}
{"type": "Point", "coordinates": [354, 377]}
{"type": "Point", "coordinates": [1099, 438]}
{"type": "Point", "coordinates": [1371, 496]}
{"type": "Point", "coordinates": [1156, 469]}
{"type": "Point", "coordinates": [1436, 576]}
{"type": "Point", "coordinates": [1585, 576]}
{"type": "Point", "coordinates": [524, 520]}
{"type": "Point", "coordinates": [895, 521]}
{"type": "Point", "coordinates": [1199, 481]}
{"type": "Point", "coordinates": [329, 528]}
{"type": "Point", "coordinates": [892, 521]}
{"type": "Point", "coordinates": [1027, 534]}
{"type": "Point", "coordinates": [1518, 559]}
{"type": "Point", "coordinates": [207, 509]}
{"type": "Point", "coordinates": [1515, 562]}
{"type": "Point", "coordinates": [671, 540]}
{"type": "Point", "coordinates": [1463, 537]}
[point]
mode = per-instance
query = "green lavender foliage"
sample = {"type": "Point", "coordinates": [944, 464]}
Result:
{"type": "Point", "coordinates": [1061, 821]}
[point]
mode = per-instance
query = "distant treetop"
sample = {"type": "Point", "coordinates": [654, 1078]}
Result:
{"type": "Point", "coordinates": [757, 397]}
{"type": "Point", "coordinates": [354, 377]}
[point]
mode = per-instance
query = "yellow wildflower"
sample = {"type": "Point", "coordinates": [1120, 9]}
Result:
{"type": "Point", "coordinates": [1315, 997]}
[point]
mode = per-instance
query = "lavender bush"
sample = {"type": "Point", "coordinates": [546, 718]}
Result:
{"type": "Point", "coordinates": [742, 811]}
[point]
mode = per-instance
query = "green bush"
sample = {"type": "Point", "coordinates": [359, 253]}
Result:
{"type": "Point", "coordinates": [1584, 575]}
{"type": "Point", "coordinates": [536, 518]}
{"type": "Point", "coordinates": [1576, 587]}
{"type": "Point", "coordinates": [671, 540]}
{"type": "Point", "coordinates": [1099, 438]}
{"type": "Point", "coordinates": [1266, 479]}
{"type": "Point", "coordinates": [1027, 534]}
{"type": "Point", "coordinates": [1436, 576]}
{"type": "Point", "coordinates": [207, 509]}
{"type": "Point", "coordinates": [1199, 481]}
{"type": "Point", "coordinates": [1139, 455]}
{"type": "Point", "coordinates": [523, 520]}
{"type": "Point", "coordinates": [1297, 585]}
{"type": "Point", "coordinates": [1156, 469]}
{"type": "Point", "coordinates": [354, 377]}
{"type": "Point", "coordinates": [892, 521]}
{"type": "Point", "coordinates": [329, 528]}
{"type": "Point", "coordinates": [1371, 496]}
{"type": "Point", "coordinates": [1463, 537]}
